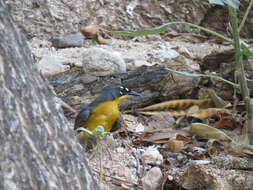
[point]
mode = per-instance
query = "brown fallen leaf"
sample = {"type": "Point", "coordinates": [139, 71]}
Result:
{"type": "Point", "coordinates": [227, 122]}
{"type": "Point", "coordinates": [201, 114]}
{"type": "Point", "coordinates": [192, 110]}
{"type": "Point", "coordinates": [203, 131]}
{"type": "Point", "coordinates": [218, 101]}
{"type": "Point", "coordinates": [91, 31]}
{"type": "Point", "coordinates": [177, 104]}
{"type": "Point", "coordinates": [175, 145]}
{"type": "Point", "coordinates": [163, 136]}
{"type": "Point", "coordinates": [210, 112]}
{"type": "Point", "coordinates": [103, 40]}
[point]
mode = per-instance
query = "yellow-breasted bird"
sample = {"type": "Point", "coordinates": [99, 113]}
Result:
{"type": "Point", "coordinates": [104, 110]}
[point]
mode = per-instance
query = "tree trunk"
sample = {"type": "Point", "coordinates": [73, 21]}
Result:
{"type": "Point", "coordinates": [38, 148]}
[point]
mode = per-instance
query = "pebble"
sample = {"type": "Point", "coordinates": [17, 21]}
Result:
{"type": "Point", "coordinates": [152, 156]}
{"type": "Point", "coordinates": [72, 40]}
{"type": "Point", "coordinates": [101, 62]}
{"type": "Point", "coordinates": [201, 162]}
{"type": "Point", "coordinates": [120, 150]}
{"type": "Point", "coordinates": [152, 179]}
{"type": "Point", "coordinates": [50, 64]}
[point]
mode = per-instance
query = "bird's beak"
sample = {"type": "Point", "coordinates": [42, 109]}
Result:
{"type": "Point", "coordinates": [133, 93]}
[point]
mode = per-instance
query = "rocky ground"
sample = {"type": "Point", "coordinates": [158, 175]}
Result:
{"type": "Point", "coordinates": [132, 159]}
{"type": "Point", "coordinates": [126, 161]}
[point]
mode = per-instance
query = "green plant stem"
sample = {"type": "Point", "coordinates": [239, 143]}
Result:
{"type": "Point", "coordinates": [236, 86]}
{"type": "Point", "coordinates": [245, 15]}
{"type": "Point", "coordinates": [164, 27]}
{"type": "Point", "coordinates": [239, 67]}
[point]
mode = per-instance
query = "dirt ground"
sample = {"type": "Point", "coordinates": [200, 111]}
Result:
{"type": "Point", "coordinates": [120, 161]}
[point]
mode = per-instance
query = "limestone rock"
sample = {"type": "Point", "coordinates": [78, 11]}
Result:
{"type": "Point", "coordinates": [199, 177]}
{"type": "Point", "coordinates": [152, 179]}
{"type": "Point", "coordinates": [50, 64]}
{"type": "Point", "coordinates": [152, 156]}
{"type": "Point", "coordinates": [102, 62]}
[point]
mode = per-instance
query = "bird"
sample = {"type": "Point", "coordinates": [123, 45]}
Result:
{"type": "Point", "coordinates": [104, 110]}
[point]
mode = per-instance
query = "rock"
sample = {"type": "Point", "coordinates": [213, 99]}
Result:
{"type": "Point", "coordinates": [164, 52]}
{"type": "Point", "coordinates": [120, 150]}
{"type": "Point", "coordinates": [72, 40]}
{"type": "Point", "coordinates": [152, 156]}
{"type": "Point", "coordinates": [152, 179]}
{"type": "Point", "coordinates": [50, 64]}
{"type": "Point", "coordinates": [197, 176]}
{"type": "Point", "coordinates": [87, 78]}
{"type": "Point", "coordinates": [138, 63]}
{"type": "Point", "coordinates": [102, 62]}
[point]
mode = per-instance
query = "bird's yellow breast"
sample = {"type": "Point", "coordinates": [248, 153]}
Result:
{"type": "Point", "coordinates": [104, 114]}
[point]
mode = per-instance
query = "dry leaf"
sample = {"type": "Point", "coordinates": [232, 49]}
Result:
{"type": "Point", "coordinates": [103, 40]}
{"type": "Point", "coordinates": [175, 145]}
{"type": "Point", "coordinates": [203, 131]}
{"type": "Point", "coordinates": [226, 123]}
{"type": "Point", "coordinates": [173, 113]}
{"type": "Point", "coordinates": [201, 114]}
{"type": "Point", "coordinates": [219, 102]}
{"type": "Point", "coordinates": [210, 112]}
{"type": "Point", "coordinates": [192, 110]}
{"type": "Point", "coordinates": [91, 31]}
{"type": "Point", "coordinates": [163, 136]}
{"type": "Point", "coordinates": [177, 104]}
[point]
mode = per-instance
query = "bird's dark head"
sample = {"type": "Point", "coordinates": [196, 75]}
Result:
{"type": "Point", "coordinates": [117, 90]}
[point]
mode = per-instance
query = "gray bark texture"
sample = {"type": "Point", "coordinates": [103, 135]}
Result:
{"type": "Point", "coordinates": [38, 149]}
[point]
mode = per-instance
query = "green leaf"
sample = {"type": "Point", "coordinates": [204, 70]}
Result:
{"type": "Point", "coordinates": [217, 2]}
{"type": "Point", "coordinates": [246, 49]}
{"type": "Point", "coordinates": [162, 28]}
{"type": "Point", "coordinates": [100, 131]}
{"type": "Point", "coordinates": [203, 75]}
{"type": "Point", "coordinates": [232, 3]}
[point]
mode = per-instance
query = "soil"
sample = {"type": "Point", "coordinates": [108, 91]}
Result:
{"type": "Point", "coordinates": [116, 160]}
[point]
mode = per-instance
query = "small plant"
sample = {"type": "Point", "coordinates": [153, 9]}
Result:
{"type": "Point", "coordinates": [98, 131]}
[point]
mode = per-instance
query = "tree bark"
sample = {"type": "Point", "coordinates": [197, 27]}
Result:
{"type": "Point", "coordinates": [38, 148]}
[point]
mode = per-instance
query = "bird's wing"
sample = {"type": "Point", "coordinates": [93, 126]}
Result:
{"type": "Point", "coordinates": [116, 125]}
{"type": "Point", "coordinates": [82, 117]}
{"type": "Point", "coordinates": [84, 114]}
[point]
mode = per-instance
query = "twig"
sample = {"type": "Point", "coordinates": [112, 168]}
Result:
{"type": "Point", "coordinates": [117, 179]}
{"type": "Point", "coordinates": [245, 16]}
{"type": "Point", "coordinates": [65, 105]}
{"type": "Point", "coordinates": [240, 74]}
